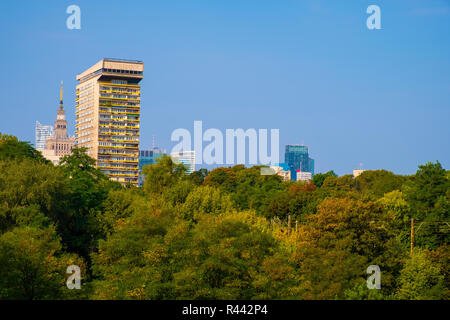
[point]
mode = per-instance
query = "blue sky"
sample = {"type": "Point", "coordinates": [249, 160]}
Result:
{"type": "Point", "coordinates": [309, 68]}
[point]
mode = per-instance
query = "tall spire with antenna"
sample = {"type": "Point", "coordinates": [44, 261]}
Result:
{"type": "Point", "coordinates": [61, 101]}
{"type": "Point", "coordinates": [61, 123]}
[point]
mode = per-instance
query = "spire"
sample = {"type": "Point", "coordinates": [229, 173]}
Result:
{"type": "Point", "coordinates": [61, 101]}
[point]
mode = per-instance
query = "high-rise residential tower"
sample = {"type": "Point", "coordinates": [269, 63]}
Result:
{"type": "Point", "coordinates": [297, 157]}
{"type": "Point", "coordinates": [108, 106]}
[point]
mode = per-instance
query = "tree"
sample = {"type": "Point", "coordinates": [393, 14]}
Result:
{"type": "Point", "coordinates": [395, 204]}
{"type": "Point", "coordinates": [178, 193]}
{"type": "Point", "coordinates": [88, 189]}
{"type": "Point", "coordinates": [11, 148]}
{"type": "Point", "coordinates": [426, 187]}
{"type": "Point", "coordinates": [26, 183]}
{"type": "Point", "coordinates": [375, 183]}
{"type": "Point", "coordinates": [336, 245]}
{"type": "Point", "coordinates": [428, 195]}
{"type": "Point", "coordinates": [225, 178]}
{"type": "Point", "coordinates": [343, 186]}
{"type": "Point", "coordinates": [253, 190]}
{"type": "Point", "coordinates": [319, 178]}
{"type": "Point", "coordinates": [134, 262]}
{"type": "Point", "coordinates": [157, 256]}
{"type": "Point", "coordinates": [119, 204]}
{"type": "Point", "coordinates": [300, 201]}
{"type": "Point", "coordinates": [421, 279]}
{"type": "Point", "coordinates": [205, 200]}
{"type": "Point", "coordinates": [33, 266]}
{"type": "Point", "coordinates": [198, 177]}
{"type": "Point", "coordinates": [163, 174]}
{"type": "Point", "coordinates": [227, 256]}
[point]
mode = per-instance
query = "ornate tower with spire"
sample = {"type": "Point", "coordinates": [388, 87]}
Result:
{"type": "Point", "coordinates": [61, 122]}
{"type": "Point", "coordinates": [60, 144]}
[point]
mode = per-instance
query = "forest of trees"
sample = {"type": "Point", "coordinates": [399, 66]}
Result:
{"type": "Point", "coordinates": [222, 234]}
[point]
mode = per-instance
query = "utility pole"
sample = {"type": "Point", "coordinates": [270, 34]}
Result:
{"type": "Point", "coordinates": [289, 224]}
{"type": "Point", "coordinates": [413, 232]}
{"type": "Point", "coordinates": [412, 236]}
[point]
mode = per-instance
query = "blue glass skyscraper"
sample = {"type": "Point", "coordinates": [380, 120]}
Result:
{"type": "Point", "coordinates": [148, 157]}
{"type": "Point", "coordinates": [297, 157]}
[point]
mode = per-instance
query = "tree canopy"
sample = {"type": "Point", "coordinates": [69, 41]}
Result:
{"type": "Point", "coordinates": [228, 233]}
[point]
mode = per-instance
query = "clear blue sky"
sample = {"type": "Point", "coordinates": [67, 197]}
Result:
{"type": "Point", "coordinates": [310, 68]}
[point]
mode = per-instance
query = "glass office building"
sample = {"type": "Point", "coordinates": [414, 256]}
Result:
{"type": "Point", "coordinates": [297, 157]}
{"type": "Point", "coordinates": [42, 133]}
{"type": "Point", "coordinates": [185, 157]}
{"type": "Point", "coordinates": [147, 157]}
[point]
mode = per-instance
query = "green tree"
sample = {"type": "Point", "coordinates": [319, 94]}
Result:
{"type": "Point", "coordinates": [226, 259]}
{"type": "Point", "coordinates": [165, 173]}
{"type": "Point", "coordinates": [395, 204]}
{"type": "Point", "coordinates": [134, 261]}
{"type": "Point", "coordinates": [11, 148]}
{"type": "Point", "coordinates": [25, 183]}
{"type": "Point", "coordinates": [198, 177]}
{"type": "Point", "coordinates": [119, 204]}
{"type": "Point", "coordinates": [376, 183]}
{"type": "Point", "coordinates": [319, 178]}
{"type": "Point", "coordinates": [421, 279]}
{"type": "Point", "coordinates": [205, 200]}
{"type": "Point", "coordinates": [33, 266]}
{"type": "Point", "coordinates": [428, 195]}
{"type": "Point", "coordinates": [88, 189]}
{"type": "Point", "coordinates": [225, 178]}
{"type": "Point", "coordinates": [336, 245]}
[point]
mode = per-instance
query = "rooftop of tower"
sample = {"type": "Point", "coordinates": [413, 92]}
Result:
{"type": "Point", "coordinates": [132, 68]}
{"type": "Point", "coordinates": [122, 60]}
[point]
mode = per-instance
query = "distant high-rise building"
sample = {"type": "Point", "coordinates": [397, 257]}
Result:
{"type": "Point", "coordinates": [108, 115]}
{"type": "Point", "coordinates": [42, 133]}
{"type": "Point", "coordinates": [297, 157]}
{"type": "Point", "coordinates": [185, 157]}
{"type": "Point", "coordinates": [147, 157]}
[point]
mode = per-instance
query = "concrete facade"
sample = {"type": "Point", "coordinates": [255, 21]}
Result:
{"type": "Point", "coordinates": [108, 116]}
